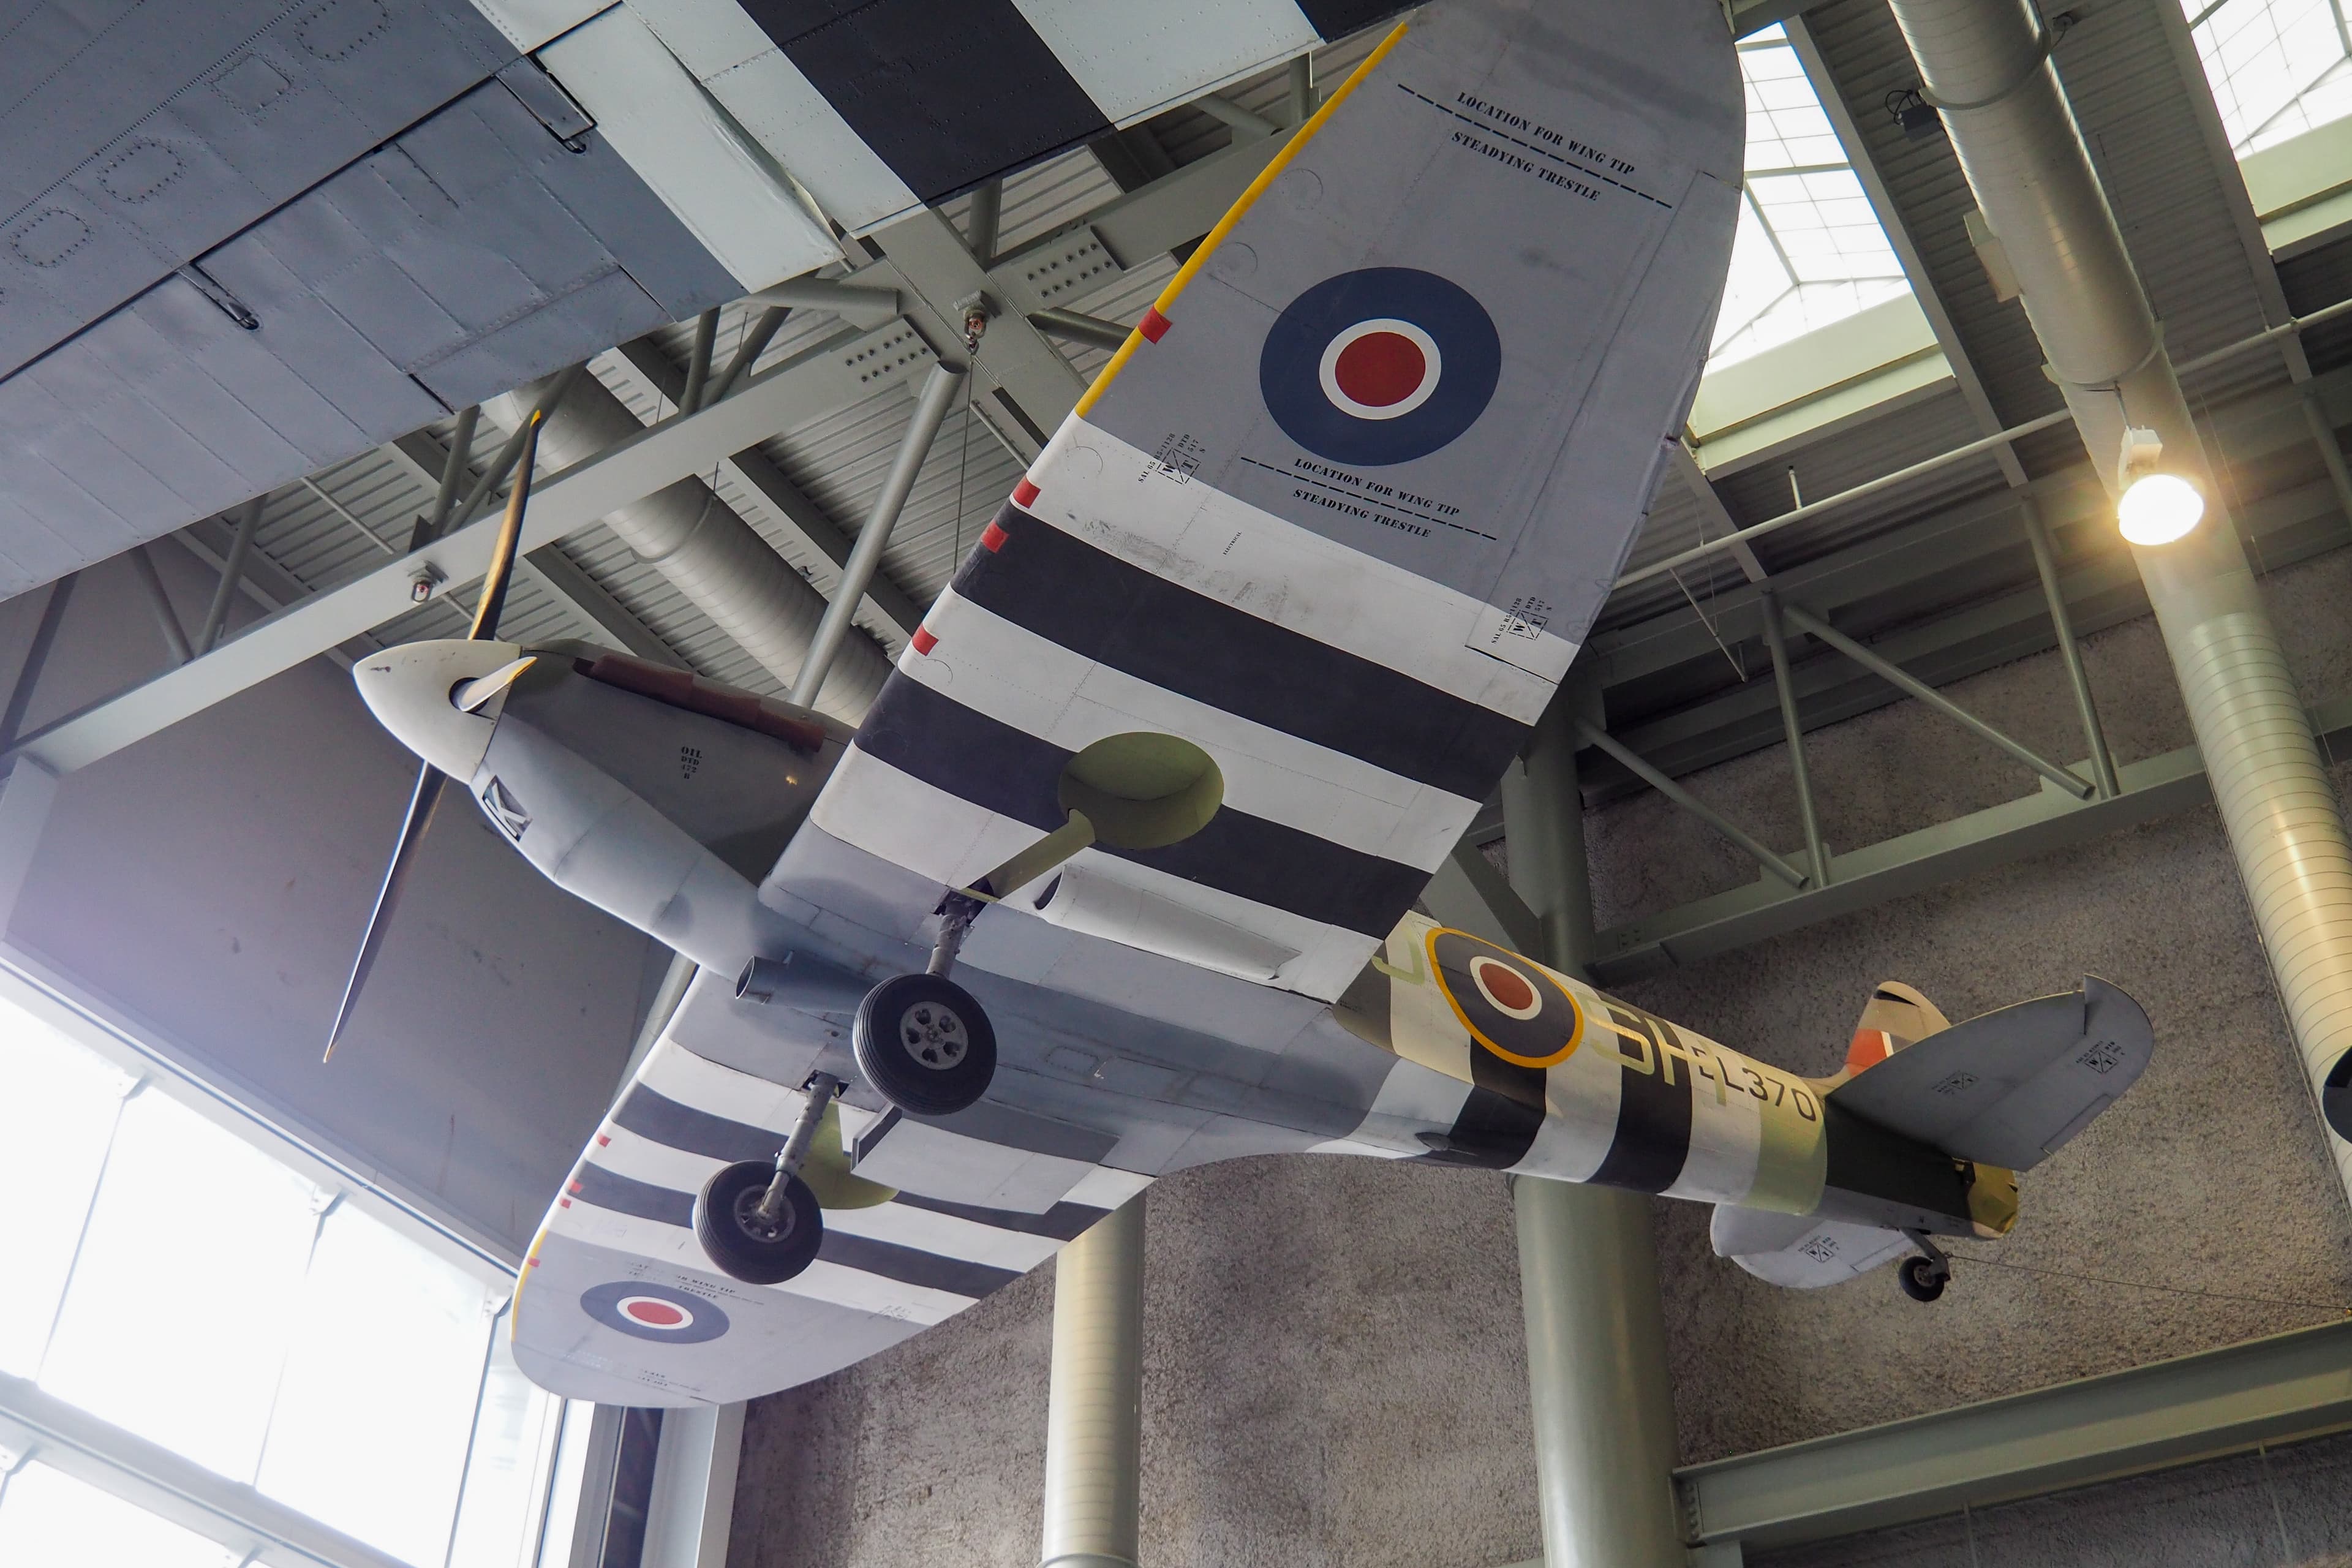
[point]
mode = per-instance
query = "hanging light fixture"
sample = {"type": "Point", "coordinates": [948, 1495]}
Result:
{"type": "Point", "coordinates": [2156, 507]}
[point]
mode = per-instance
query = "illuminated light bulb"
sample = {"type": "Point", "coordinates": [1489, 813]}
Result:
{"type": "Point", "coordinates": [2158, 508]}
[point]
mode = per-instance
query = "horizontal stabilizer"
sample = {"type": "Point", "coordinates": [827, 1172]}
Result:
{"type": "Point", "coordinates": [2011, 1086]}
{"type": "Point", "coordinates": [1802, 1252]}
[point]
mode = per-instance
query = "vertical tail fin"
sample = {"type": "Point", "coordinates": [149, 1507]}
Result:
{"type": "Point", "coordinates": [1896, 1016]}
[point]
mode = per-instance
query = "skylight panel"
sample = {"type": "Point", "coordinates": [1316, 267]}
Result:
{"type": "Point", "coordinates": [1810, 250]}
{"type": "Point", "coordinates": [2277, 67]}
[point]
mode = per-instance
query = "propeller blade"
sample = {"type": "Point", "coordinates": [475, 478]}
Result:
{"type": "Point", "coordinates": [411, 831]}
{"type": "Point", "coordinates": [471, 695]}
{"type": "Point", "coordinates": [502, 558]}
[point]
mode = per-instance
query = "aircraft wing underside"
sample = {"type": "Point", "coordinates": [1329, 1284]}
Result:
{"type": "Point", "coordinates": [618, 1303]}
{"type": "Point", "coordinates": [1334, 520]}
{"type": "Point", "coordinates": [1339, 512]}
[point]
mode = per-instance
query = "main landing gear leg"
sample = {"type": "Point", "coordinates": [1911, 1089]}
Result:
{"type": "Point", "coordinates": [1922, 1278]}
{"type": "Point", "coordinates": [760, 1222]}
{"type": "Point", "coordinates": [920, 1040]}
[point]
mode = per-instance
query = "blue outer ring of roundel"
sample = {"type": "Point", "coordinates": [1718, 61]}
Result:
{"type": "Point", "coordinates": [1289, 367]}
{"type": "Point", "coordinates": [706, 1321]}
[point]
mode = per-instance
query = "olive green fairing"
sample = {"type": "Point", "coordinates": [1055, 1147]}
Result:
{"type": "Point", "coordinates": [740, 794]}
{"type": "Point", "coordinates": [1143, 791]}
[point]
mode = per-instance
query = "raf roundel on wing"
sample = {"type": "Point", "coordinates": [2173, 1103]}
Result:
{"type": "Point", "coordinates": [1380, 365]}
{"type": "Point", "coordinates": [648, 1311]}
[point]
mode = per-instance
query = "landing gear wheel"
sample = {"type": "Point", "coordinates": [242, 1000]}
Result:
{"type": "Point", "coordinates": [924, 1044]}
{"type": "Point", "coordinates": [756, 1250]}
{"type": "Point", "coordinates": [1922, 1279]}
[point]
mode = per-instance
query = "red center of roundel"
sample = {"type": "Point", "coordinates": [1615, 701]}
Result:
{"type": "Point", "coordinates": [1380, 369]}
{"type": "Point", "coordinates": [1509, 988]}
{"type": "Point", "coordinates": [655, 1314]}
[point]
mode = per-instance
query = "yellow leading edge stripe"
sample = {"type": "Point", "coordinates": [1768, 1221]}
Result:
{"type": "Point", "coordinates": [1234, 213]}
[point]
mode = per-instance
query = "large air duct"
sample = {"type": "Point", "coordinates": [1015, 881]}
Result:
{"type": "Point", "coordinates": [1987, 64]}
{"type": "Point", "coordinates": [716, 559]}
{"type": "Point", "coordinates": [1094, 1420]}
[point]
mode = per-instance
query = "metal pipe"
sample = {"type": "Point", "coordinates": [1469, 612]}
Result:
{"type": "Point", "coordinates": [1602, 1407]}
{"type": "Point", "coordinates": [1649, 774]}
{"type": "Point", "coordinates": [980, 223]}
{"type": "Point", "coordinates": [551, 391]}
{"type": "Point", "coordinates": [1777, 642]}
{"type": "Point", "coordinates": [1869, 488]}
{"type": "Point", "coordinates": [1094, 1415]}
{"type": "Point", "coordinates": [1302, 89]}
{"type": "Point", "coordinates": [36, 658]}
{"type": "Point", "coordinates": [454, 468]}
{"type": "Point", "coordinates": [747, 352]}
{"type": "Point", "coordinates": [1543, 812]}
{"type": "Point", "coordinates": [1243, 121]}
{"type": "Point", "coordinates": [240, 546]}
{"type": "Point", "coordinates": [349, 516]}
{"type": "Point", "coordinates": [2033, 178]}
{"type": "Point", "coordinates": [866, 555]}
{"type": "Point", "coordinates": [715, 559]}
{"type": "Point", "coordinates": [1078, 327]}
{"type": "Point", "coordinates": [859, 304]}
{"type": "Point", "coordinates": [2065, 778]}
{"type": "Point", "coordinates": [2070, 652]}
{"type": "Point", "coordinates": [167, 620]}
{"type": "Point", "coordinates": [698, 360]}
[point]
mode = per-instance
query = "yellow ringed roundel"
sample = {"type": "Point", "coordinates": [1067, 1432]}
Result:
{"type": "Point", "coordinates": [1514, 1009]}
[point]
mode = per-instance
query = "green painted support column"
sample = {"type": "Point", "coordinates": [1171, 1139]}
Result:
{"type": "Point", "coordinates": [1603, 1408]}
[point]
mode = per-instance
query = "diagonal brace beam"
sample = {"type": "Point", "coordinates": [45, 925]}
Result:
{"type": "Point", "coordinates": [1594, 736]}
{"type": "Point", "coordinates": [2065, 778]}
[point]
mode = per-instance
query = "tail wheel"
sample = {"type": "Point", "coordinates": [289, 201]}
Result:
{"type": "Point", "coordinates": [1921, 1278]}
{"type": "Point", "coordinates": [755, 1247]}
{"type": "Point", "coordinates": [925, 1043]}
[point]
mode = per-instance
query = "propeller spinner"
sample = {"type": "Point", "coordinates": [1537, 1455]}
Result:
{"type": "Point", "coordinates": [449, 739]}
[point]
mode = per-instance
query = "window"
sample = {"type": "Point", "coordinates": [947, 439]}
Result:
{"type": "Point", "coordinates": [49, 1520]}
{"type": "Point", "coordinates": [192, 1286]}
{"type": "Point", "coordinates": [2277, 67]}
{"type": "Point", "coordinates": [1809, 251]}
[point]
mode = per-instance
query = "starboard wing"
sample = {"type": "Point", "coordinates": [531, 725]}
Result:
{"type": "Point", "coordinates": [618, 1304]}
{"type": "Point", "coordinates": [1339, 513]}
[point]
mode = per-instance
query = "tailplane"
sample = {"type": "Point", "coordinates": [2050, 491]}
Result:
{"type": "Point", "coordinates": [1919, 1097]}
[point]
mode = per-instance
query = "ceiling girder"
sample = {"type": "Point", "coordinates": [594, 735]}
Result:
{"type": "Point", "coordinates": [556, 574]}
{"type": "Point", "coordinates": [803, 388]}
{"type": "Point", "coordinates": [757, 472]}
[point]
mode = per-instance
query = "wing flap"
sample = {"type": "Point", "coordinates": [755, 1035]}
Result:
{"type": "Point", "coordinates": [2010, 1087]}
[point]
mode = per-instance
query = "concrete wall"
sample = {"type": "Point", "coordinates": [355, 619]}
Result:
{"type": "Point", "coordinates": [2285, 1507]}
{"type": "Point", "coordinates": [211, 882]}
{"type": "Point", "coordinates": [1334, 1363]}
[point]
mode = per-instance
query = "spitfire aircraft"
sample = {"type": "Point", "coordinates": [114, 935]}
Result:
{"type": "Point", "coordinates": [1118, 874]}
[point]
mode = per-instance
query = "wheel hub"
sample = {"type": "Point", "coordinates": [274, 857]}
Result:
{"type": "Point", "coordinates": [758, 1227]}
{"type": "Point", "coordinates": [934, 1035]}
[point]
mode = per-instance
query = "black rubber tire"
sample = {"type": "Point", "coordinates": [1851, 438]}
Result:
{"type": "Point", "coordinates": [924, 1044]}
{"type": "Point", "coordinates": [732, 1237]}
{"type": "Point", "coordinates": [1920, 1279]}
